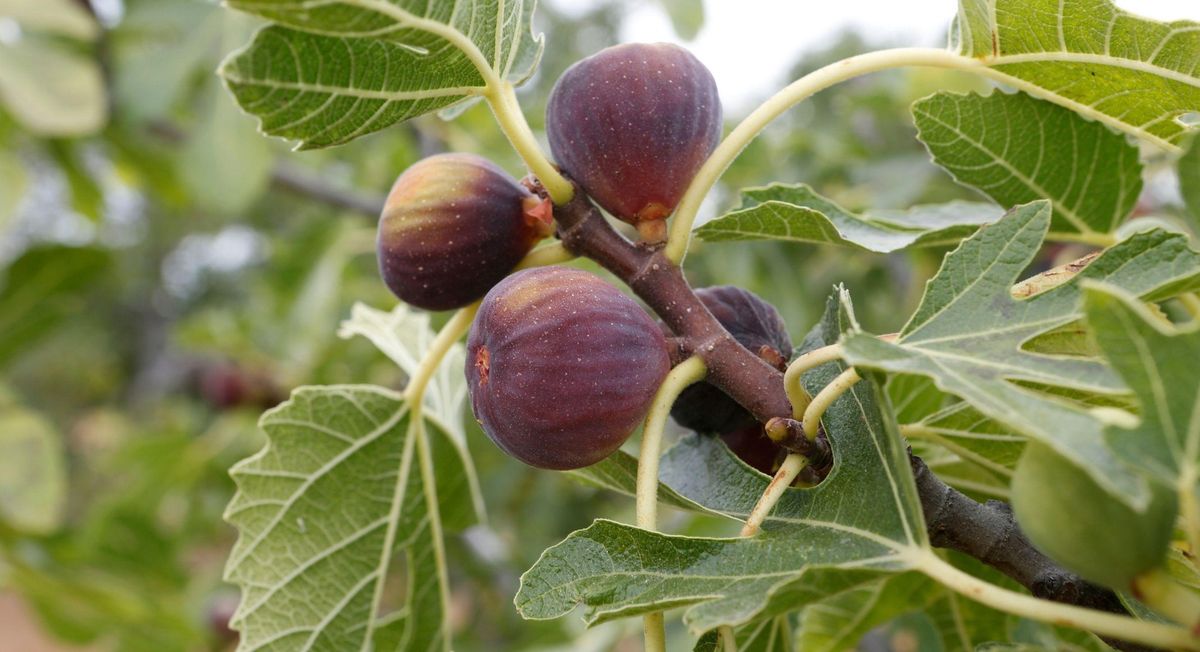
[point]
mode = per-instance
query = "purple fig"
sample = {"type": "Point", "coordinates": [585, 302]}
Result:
{"type": "Point", "coordinates": [756, 325]}
{"type": "Point", "coordinates": [752, 446]}
{"type": "Point", "coordinates": [562, 367]}
{"type": "Point", "coordinates": [452, 227]}
{"type": "Point", "coordinates": [631, 125]}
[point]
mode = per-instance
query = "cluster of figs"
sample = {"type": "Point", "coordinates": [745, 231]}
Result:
{"type": "Point", "coordinates": [561, 365]}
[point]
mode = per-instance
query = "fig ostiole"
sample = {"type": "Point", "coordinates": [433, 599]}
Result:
{"type": "Point", "coordinates": [631, 125]}
{"type": "Point", "coordinates": [1078, 524]}
{"type": "Point", "coordinates": [452, 227]}
{"type": "Point", "coordinates": [562, 367]}
{"type": "Point", "coordinates": [756, 325]}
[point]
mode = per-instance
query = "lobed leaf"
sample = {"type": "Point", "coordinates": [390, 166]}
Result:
{"type": "Point", "coordinates": [1137, 75]}
{"type": "Point", "coordinates": [968, 331]}
{"type": "Point", "coordinates": [863, 520]}
{"type": "Point", "coordinates": [326, 73]}
{"type": "Point", "coordinates": [798, 214]}
{"type": "Point", "coordinates": [33, 473]}
{"type": "Point", "coordinates": [1158, 361]}
{"type": "Point", "coordinates": [1016, 149]}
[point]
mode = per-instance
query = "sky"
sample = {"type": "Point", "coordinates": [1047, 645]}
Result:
{"type": "Point", "coordinates": [750, 55]}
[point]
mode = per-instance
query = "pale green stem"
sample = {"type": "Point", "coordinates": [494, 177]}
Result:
{"type": "Point", "coordinates": [1189, 508]}
{"type": "Point", "coordinates": [549, 254]}
{"type": "Point", "coordinates": [1019, 604]}
{"type": "Point", "coordinates": [728, 642]}
{"type": "Point", "coordinates": [685, 373]}
{"type": "Point", "coordinates": [1101, 240]}
{"type": "Point", "coordinates": [791, 467]}
{"type": "Point", "coordinates": [1191, 303]}
{"type": "Point", "coordinates": [454, 329]}
{"type": "Point", "coordinates": [1166, 596]}
{"type": "Point", "coordinates": [825, 398]}
{"type": "Point", "coordinates": [791, 378]}
{"type": "Point", "coordinates": [502, 98]}
{"type": "Point", "coordinates": [793, 94]}
{"type": "Point", "coordinates": [435, 519]}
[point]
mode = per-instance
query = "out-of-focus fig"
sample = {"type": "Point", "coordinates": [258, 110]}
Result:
{"type": "Point", "coordinates": [756, 325]}
{"type": "Point", "coordinates": [1081, 526]}
{"type": "Point", "coordinates": [631, 125]}
{"type": "Point", "coordinates": [562, 366]}
{"type": "Point", "coordinates": [452, 227]}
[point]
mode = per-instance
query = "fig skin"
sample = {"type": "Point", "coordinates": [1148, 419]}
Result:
{"type": "Point", "coordinates": [756, 325]}
{"type": "Point", "coordinates": [1062, 510]}
{"type": "Point", "coordinates": [631, 125]}
{"type": "Point", "coordinates": [452, 227]}
{"type": "Point", "coordinates": [752, 446]}
{"type": "Point", "coordinates": [562, 367]}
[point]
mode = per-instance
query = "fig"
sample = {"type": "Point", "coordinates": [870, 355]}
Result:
{"type": "Point", "coordinates": [756, 325]}
{"type": "Point", "coordinates": [631, 125]}
{"type": "Point", "coordinates": [562, 367]}
{"type": "Point", "coordinates": [752, 446]}
{"type": "Point", "coordinates": [1078, 524]}
{"type": "Point", "coordinates": [452, 227]}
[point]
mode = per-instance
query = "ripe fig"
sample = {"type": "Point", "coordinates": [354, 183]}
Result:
{"type": "Point", "coordinates": [562, 367]}
{"type": "Point", "coordinates": [1081, 526]}
{"type": "Point", "coordinates": [752, 446]}
{"type": "Point", "coordinates": [631, 125]}
{"type": "Point", "coordinates": [756, 325]}
{"type": "Point", "coordinates": [452, 227]}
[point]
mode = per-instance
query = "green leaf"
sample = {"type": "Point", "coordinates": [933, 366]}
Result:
{"type": "Point", "coordinates": [798, 214]}
{"type": "Point", "coordinates": [840, 620]}
{"type": "Point", "coordinates": [1158, 361]}
{"type": "Point", "coordinates": [687, 16]}
{"type": "Point", "coordinates": [968, 331]}
{"type": "Point", "coordinates": [62, 17]}
{"type": "Point", "coordinates": [770, 635]}
{"type": "Point", "coordinates": [618, 473]}
{"type": "Point", "coordinates": [1087, 55]}
{"type": "Point", "coordinates": [43, 288]}
{"type": "Point", "coordinates": [403, 335]}
{"type": "Point", "coordinates": [223, 152]}
{"type": "Point", "coordinates": [972, 436]}
{"type": "Point", "coordinates": [330, 72]}
{"type": "Point", "coordinates": [33, 476]}
{"type": "Point", "coordinates": [1016, 149]}
{"type": "Point", "coordinates": [1189, 182]}
{"type": "Point", "coordinates": [863, 520]}
{"type": "Point", "coordinates": [13, 183]}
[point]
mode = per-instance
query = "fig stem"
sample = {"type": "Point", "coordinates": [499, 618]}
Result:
{"type": "Point", "coordinates": [1189, 507]}
{"type": "Point", "coordinates": [1064, 615]}
{"type": "Point", "coordinates": [791, 378]}
{"type": "Point", "coordinates": [502, 98]}
{"type": "Point", "coordinates": [825, 398]}
{"type": "Point", "coordinates": [777, 105]}
{"type": "Point", "coordinates": [548, 254]}
{"type": "Point", "coordinates": [685, 373]}
{"type": "Point", "coordinates": [1162, 593]}
{"type": "Point", "coordinates": [454, 329]}
{"type": "Point", "coordinates": [791, 467]}
{"type": "Point", "coordinates": [728, 642]}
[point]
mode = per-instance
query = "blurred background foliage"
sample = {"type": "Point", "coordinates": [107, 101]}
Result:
{"type": "Point", "coordinates": [166, 274]}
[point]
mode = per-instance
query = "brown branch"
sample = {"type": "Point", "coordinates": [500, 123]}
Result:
{"type": "Point", "coordinates": [987, 532]}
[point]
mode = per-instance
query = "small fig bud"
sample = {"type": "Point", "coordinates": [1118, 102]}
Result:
{"type": "Point", "coordinates": [631, 125]}
{"type": "Point", "coordinates": [562, 367]}
{"type": "Point", "coordinates": [1078, 524]}
{"type": "Point", "coordinates": [756, 325]}
{"type": "Point", "coordinates": [452, 227]}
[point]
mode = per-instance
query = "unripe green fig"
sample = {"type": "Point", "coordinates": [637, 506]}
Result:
{"type": "Point", "coordinates": [756, 325]}
{"type": "Point", "coordinates": [1062, 510]}
{"type": "Point", "coordinates": [631, 125]}
{"type": "Point", "coordinates": [452, 227]}
{"type": "Point", "coordinates": [562, 367]}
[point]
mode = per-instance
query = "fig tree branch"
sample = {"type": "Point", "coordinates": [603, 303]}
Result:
{"type": "Point", "coordinates": [986, 532]}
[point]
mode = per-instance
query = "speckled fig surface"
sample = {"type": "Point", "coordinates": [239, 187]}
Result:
{"type": "Point", "coordinates": [562, 366]}
{"type": "Point", "coordinates": [452, 227]}
{"type": "Point", "coordinates": [632, 124]}
{"type": "Point", "coordinates": [756, 325]}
